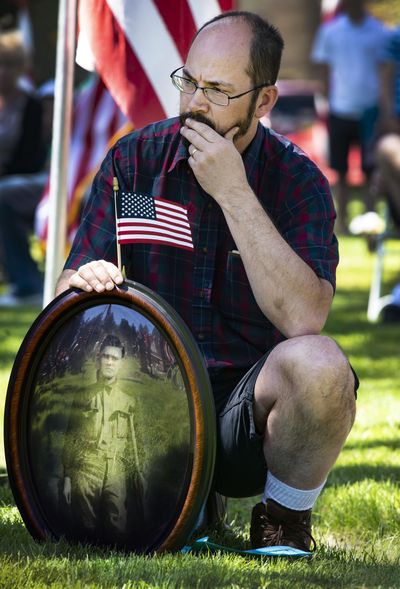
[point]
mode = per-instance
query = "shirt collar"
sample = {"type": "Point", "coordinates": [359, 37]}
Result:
{"type": "Point", "coordinates": [250, 155]}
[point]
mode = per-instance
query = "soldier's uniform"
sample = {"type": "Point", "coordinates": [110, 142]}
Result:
{"type": "Point", "coordinates": [101, 459]}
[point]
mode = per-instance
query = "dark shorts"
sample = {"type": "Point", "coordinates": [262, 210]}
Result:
{"type": "Point", "coordinates": [345, 132]}
{"type": "Point", "coordinates": [240, 469]}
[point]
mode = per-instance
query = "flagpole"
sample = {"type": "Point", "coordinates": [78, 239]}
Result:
{"type": "Point", "coordinates": [116, 189]}
{"type": "Point", "coordinates": [63, 102]}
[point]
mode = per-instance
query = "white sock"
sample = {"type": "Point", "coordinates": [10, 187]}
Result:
{"type": "Point", "coordinates": [296, 499]}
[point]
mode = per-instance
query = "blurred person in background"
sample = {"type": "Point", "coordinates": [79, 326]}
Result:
{"type": "Point", "coordinates": [25, 135]}
{"type": "Point", "coordinates": [388, 150]}
{"type": "Point", "coordinates": [388, 147]}
{"type": "Point", "coordinates": [351, 50]}
{"type": "Point", "coordinates": [22, 150]}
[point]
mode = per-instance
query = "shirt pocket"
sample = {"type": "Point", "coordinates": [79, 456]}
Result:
{"type": "Point", "coordinates": [238, 301]}
{"type": "Point", "coordinates": [121, 424]}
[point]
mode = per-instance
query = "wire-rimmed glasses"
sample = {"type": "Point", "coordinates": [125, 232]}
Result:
{"type": "Point", "coordinates": [214, 95]}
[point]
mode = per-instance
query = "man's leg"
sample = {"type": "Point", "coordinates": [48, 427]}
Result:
{"type": "Point", "coordinates": [342, 201]}
{"type": "Point", "coordinates": [342, 133]}
{"type": "Point", "coordinates": [368, 138]}
{"type": "Point", "coordinates": [304, 403]}
{"type": "Point", "coordinates": [114, 501]}
{"type": "Point", "coordinates": [87, 485]}
{"type": "Point", "coordinates": [281, 431]}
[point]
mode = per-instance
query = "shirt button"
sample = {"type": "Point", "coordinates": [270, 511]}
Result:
{"type": "Point", "coordinates": [209, 206]}
{"type": "Point", "coordinates": [201, 337]}
{"type": "Point", "coordinates": [205, 249]}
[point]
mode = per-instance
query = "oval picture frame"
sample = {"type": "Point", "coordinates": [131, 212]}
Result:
{"type": "Point", "coordinates": [134, 457]}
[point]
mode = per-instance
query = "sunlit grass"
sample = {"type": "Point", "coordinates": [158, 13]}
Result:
{"type": "Point", "coordinates": [357, 517]}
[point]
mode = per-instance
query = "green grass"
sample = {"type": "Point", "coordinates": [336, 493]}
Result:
{"type": "Point", "coordinates": [357, 517]}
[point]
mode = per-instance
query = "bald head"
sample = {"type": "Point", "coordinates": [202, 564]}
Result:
{"type": "Point", "coordinates": [249, 33]}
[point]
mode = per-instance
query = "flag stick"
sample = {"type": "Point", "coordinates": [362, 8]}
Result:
{"type": "Point", "coordinates": [56, 237]}
{"type": "Point", "coordinates": [116, 189]}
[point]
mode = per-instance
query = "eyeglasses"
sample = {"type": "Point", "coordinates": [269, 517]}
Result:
{"type": "Point", "coordinates": [212, 94]}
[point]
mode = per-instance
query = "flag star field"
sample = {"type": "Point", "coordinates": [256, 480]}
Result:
{"type": "Point", "coordinates": [142, 218]}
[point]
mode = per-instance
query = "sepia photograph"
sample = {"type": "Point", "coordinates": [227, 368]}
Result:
{"type": "Point", "coordinates": [108, 460]}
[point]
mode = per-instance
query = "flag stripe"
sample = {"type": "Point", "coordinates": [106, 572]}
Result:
{"type": "Point", "coordinates": [167, 212]}
{"type": "Point", "coordinates": [96, 120]}
{"type": "Point", "coordinates": [203, 11]}
{"type": "Point", "coordinates": [82, 139]}
{"type": "Point", "coordinates": [180, 24]}
{"type": "Point", "coordinates": [182, 224]}
{"type": "Point", "coordinates": [134, 19]}
{"type": "Point", "coordinates": [172, 205]}
{"type": "Point", "coordinates": [145, 238]}
{"type": "Point", "coordinates": [156, 230]}
{"type": "Point", "coordinates": [141, 218]}
{"type": "Point", "coordinates": [129, 84]}
{"type": "Point", "coordinates": [329, 9]}
{"type": "Point", "coordinates": [177, 221]}
{"type": "Point", "coordinates": [141, 42]}
{"type": "Point", "coordinates": [138, 223]}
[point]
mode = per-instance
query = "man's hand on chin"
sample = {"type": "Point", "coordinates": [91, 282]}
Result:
{"type": "Point", "coordinates": [214, 159]}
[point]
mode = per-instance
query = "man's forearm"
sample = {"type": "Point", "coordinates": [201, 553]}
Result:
{"type": "Point", "coordinates": [286, 289]}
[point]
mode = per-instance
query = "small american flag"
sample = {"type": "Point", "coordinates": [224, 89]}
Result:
{"type": "Point", "coordinates": [146, 219]}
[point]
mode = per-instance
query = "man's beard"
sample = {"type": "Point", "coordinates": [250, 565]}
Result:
{"type": "Point", "coordinates": [243, 124]}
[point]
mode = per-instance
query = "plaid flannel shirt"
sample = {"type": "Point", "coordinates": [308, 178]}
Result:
{"type": "Point", "coordinates": [208, 286]}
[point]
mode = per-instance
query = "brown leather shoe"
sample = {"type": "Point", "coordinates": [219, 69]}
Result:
{"type": "Point", "coordinates": [275, 525]}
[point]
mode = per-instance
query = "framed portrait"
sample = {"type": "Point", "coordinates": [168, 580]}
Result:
{"type": "Point", "coordinates": [110, 422]}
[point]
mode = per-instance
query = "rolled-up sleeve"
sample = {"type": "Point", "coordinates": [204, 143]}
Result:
{"type": "Point", "coordinates": [307, 221]}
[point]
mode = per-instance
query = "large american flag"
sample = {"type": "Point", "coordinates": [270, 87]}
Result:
{"type": "Point", "coordinates": [330, 9]}
{"type": "Point", "coordinates": [97, 124]}
{"type": "Point", "coordinates": [142, 218]}
{"type": "Point", "coordinates": [135, 45]}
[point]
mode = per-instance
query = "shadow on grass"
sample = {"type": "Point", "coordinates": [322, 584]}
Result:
{"type": "Point", "coordinates": [393, 444]}
{"type": "Point", "coordinates": [17, 320]}
{"type": "Point", "coordinates": [6, 496]}
{"type": "Point", "coordinates": [343, 475]}
{"type": "Point", "coordinates": [350, 317]}
{"type": "Point", "coordinates": [330, 567]}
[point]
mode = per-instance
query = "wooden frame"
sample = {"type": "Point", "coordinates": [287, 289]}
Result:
{"type": "Point", "coordinates": [21, 413]}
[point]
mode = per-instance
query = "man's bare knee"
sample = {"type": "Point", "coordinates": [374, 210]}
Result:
{"type": "Point", "coordinates": [311, 371]}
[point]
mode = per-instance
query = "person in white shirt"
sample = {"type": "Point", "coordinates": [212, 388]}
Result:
{"type": "Point", "coordinates": [351, 50]}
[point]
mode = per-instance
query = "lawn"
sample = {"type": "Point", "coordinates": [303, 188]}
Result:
{"type": "Point", "coordinates": [357, 517]}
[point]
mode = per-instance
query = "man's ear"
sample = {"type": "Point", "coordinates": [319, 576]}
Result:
{"type": "Point", "coordinates": [266, 101]}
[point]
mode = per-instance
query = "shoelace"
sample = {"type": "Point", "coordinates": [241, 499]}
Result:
{"type": "Point", "coordinates": [275, 536]}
